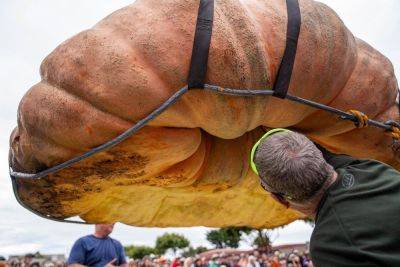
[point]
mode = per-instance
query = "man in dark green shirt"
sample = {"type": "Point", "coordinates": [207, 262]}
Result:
{"type": "Point", "coordinates": [355, 202]}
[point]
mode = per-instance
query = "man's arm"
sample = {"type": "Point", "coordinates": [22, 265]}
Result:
{"type": "Point", "coordinates": [121, 256]}
{"type": "Point", "coordinates": [110, 264]}
{"type": "Point", "coordinates": [77, 255]}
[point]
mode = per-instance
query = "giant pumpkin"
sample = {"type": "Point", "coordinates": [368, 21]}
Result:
{"type": "Point", "coordinates": [190, 165]}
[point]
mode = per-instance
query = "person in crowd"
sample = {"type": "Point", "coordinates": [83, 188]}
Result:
{"type": "Point", "coordinates": [176, 262]}
{"type": "Point", "coordinates": [244, 260]}
{"type": "Point", "coordinates": [355, 202]}
{"type": "Point", "coordinates": [305, 259]}
{"type": "Point", "coordinates": [3, 262]}
{"type": "Point", "coordinates": [162, 262]}
{"type": "Point", "coordinates": [253, 262]}
{"type": "Point", "coordinates": [198, 263]}
{"type": "Point", "coordinates": [133, 263]}
{"type": "Point", "coordinates": [293, 261]}
{"type": "Point", "coordinates": [275, 259]}
{"type": "Point", "coordinates": [27, 260]}
{"type": "Point", "coordinates": [282, 260]}
{"type": "Point", "coordinates": [188, 262]}
{"type": "Point", "coordinates": [224, 260]}
{"type": "Point", "coordinates": [264, 260]}
{"type": "Point", "coordinates": [147, 262]}
{"type": "Point", "coordinates": [204, 261]}
{"type": "Point", "coordinates": [98, 249]}
{"type": "Point", "coordinates": [214, 261]}
{"type": "Point", "coordinates": [258, 259]}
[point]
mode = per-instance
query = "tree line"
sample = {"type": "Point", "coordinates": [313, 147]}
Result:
{"type": "Point", "coordinates": [228, 237]}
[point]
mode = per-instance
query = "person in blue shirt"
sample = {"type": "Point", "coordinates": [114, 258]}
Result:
{"type": "Point", "coordinates": [97, 249]}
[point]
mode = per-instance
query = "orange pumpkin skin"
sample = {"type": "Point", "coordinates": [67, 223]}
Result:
{"type": "Point", "coordinates": [190, 165]}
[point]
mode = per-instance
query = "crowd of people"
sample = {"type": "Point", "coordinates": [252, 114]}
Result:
{"type": "Point", "coordinates": [253, 259]}
{"type": "Point", "coordinates": [29, 260]}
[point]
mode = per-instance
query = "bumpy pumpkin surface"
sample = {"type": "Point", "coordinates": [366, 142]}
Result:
{"type": "Point", "coordinates": [190, 165]}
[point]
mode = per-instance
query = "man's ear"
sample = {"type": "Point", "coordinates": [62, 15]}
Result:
{"type": "Point", "coordinates": [281, 200]}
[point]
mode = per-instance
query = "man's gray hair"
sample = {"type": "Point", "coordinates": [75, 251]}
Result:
{"type": "Point", "coordinates": [289, 163]}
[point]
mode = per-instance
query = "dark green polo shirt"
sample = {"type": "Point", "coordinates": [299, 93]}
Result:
{"type": "Point", "coordinates": [358, 219]}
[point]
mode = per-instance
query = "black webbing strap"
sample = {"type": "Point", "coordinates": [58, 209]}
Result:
{"type": "Point", "coordinates": [201, 44]}
{"type": "Point", "coordinates": [282, 81]}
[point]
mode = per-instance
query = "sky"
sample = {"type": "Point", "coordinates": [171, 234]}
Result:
{"type": "Point", "coordinates": [30, 30]}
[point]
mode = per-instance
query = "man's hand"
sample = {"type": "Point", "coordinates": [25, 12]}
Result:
{"type": "Point", "coordinates": [110, 264]}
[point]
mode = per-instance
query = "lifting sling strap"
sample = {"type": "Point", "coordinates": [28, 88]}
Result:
{"type": "Point", "coordinates": [202, 41]}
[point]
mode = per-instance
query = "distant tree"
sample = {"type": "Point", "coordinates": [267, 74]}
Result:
{"type": "Point", "coordinates": [262, 239]}
{"type": "Point", "coordinates": [227, 237]}
{"type": "Point", "coordinates": [37, 255]}
{"type": "Point", "coordinates": [191, 252]}
{"type": "Point", "coordinates": [138, 252]}
{"type": "Point", "coordinates": [171, 241]}
{"type": "Point", "coordinates": [216, 238]}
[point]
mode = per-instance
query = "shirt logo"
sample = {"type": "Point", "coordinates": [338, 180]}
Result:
{"type": "Point", "coordinates": [348, 180]}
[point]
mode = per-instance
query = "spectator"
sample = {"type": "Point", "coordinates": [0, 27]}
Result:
{"type": "Point", "coordinates": [198, 263]}
{"type": "Point", "coordinates": [305, 259]}
{"type": "Point", "coordinates": [147, 262]}
{"type": "Point", "coordinates": [188, 262]}
{"type": "Point", "coordinates": [264, 260]}
{"type": "Point", "coordinates": [213, 261]}
{"type": "Point", "coordinates": [275, 259]}
{"type": "Point", "coordinates": [133, 263]}
{"type": "Point", "coordinates": [98, 249]}
{"type": "Point", "coordinates": [176, 262]}
{"type": "Point", "coordinates": [244, 260]}
{"type": "Point", "coordinates": [27, 261]}
{"type": "Point", "coordinates": [224, 260]}
{"type": "Point", "coordinates": [252, 262]}
{"type": "Point", "coordinates": [162, 262]}
{"type": "Point", "coordinates": [341, 193]}
{"type": "Point", "coordinates": [293, 261]}
{"type": "Point", "coordinates": [2, 261]}
{"type": "Point", "coordinates": [282, 260]}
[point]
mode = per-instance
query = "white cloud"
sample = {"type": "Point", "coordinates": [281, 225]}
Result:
{"type": "Point", "coordinates": [32, 29]}
{"type": "Point", "coordinates": [18, 249]}
{"type": "Point", "coordinates": [376, 22]}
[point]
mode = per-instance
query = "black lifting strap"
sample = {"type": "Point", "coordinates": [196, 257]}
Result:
{"type": "Point", "coordinates": [201, 44]}
{"type": "Point", "coordinates": [282, 81]}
